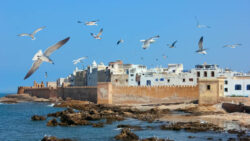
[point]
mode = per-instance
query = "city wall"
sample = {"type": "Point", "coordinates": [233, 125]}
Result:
{"type": "Point", "coordinates": [106, 93]}
{"type": "Point", "coordinates": [76, 93]}
{"type": "Point", "coordinates": [153, 94]}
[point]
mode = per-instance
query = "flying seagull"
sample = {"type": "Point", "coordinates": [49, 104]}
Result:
{"type": "Point", "coordinates": [146, 43]}
{"type": "Point", "coordinates": [198, 25]}
{"type": "Point", "coordinates": [79, 60]}
{"type": "Point", "coordinates": [164, 56]}
{"type": "Point", "coordinates": [201, 50]}
{"type": "Point", "coordinates": [172, 45]}
{"type": "Point", "coordinates": [233, 45]}
{"type": "Point", "coordinates": [120, 41]}
{"type": "Point", "coordinates": [98, 35]}
{"type": "Point", "coordinates": [44, 57]}
{"type": "Point", "coordinates": [32, 35]}
{"type": "Point", "coordinates": [90, 23]}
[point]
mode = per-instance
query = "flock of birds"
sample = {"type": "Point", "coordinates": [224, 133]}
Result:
{"type": "Point", "coordinates": [41, 57]}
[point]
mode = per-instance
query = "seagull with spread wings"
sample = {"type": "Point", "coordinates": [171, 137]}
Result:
{"type": "Point", "coordinates": [98, 35]}
{"type": "Point", "coordinates": [89, 23]}
{"type": "Point", "coordinates": [119, 42]}
{"type": "Point", "coordinates": [172, 45]}
{"type": "Point", "coordinates": [198, 25]}
{"type": "Point", "coordinates": [79, 60]}
{"type": "Point", "coordinates": [32, 35]}
{"type": "Point", "coordinates": [201, 50]}
{"type": "Point", "coordinates": [44, 57]}
{"type": "Point", "coordinates": [233, 45]}
{"type": "Point", "coordinates": [46, 75]}
{"type": "Point", "coordinates": [146, 43]}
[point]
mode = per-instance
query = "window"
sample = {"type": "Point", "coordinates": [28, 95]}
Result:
{"type": "Point", "coordinates": [237, 87]}
{"type": "Point", "coordinates": [205, 74]}
{"type": "Point", "coordinates": [212, 73]}
{"type": "Point", "coordinates": [156, 79]}
{"type": "Point", "coordinates": [191, 79]}
{"type": "Point", "coordinates": [168, 80]}
{"type": "Point", "coordinates": [226, 82]}
{"type": "Point", "coordinates": [127, 71]}
{"type": "Point", "coordinates": [162, 79]}
{"type": "Point", "coordinates": [198, 74]}
{"type": "Point", "coordinates": [248, 87]}
{"type": "Point", "coordinates": [226, 89]}
{"type": "Point", "coordinates": [183, 80]}
{"type": "Point", "coordinates": [131, 74]}
{"type": "Point", "coordinates": [148, 83]}
{"type": "Point", "coordinates": [208, 87]}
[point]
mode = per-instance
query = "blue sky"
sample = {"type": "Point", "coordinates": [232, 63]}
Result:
{"type": "Point", "coordinates": [131, 20]}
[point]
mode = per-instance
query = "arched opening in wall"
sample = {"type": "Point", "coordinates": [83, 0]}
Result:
{"type": "Point", "coordinates": [205, 73]}
{"type": "Point", "coordinates": [198, 74]}
{"type": "Point", "coordinates": [148, 83]}
{"type": "Point", "coordinates": [212, 73]}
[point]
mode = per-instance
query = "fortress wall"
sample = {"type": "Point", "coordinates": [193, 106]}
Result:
{"type": "Point", "coordinates": [75, 93]}
{"type": "Point", "coordinates": [78, 93]}
{"type": "Point", "coordinates": [41, 92]}
{"type": "Point", "coordinates": [147, 94]}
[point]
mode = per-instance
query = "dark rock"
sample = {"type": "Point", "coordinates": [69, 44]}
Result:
{"type": "Point", "coordinates": [52, 122]}
{"type": "Point", "coordinates": [36, 118]}
{"type": "Point", "coordinates": [191, 126]}
{"type": "Point", "coordinates": [209, 138]}
{"type": "Point", "coordinates": [230, 108]}
{"type": "Point", "coordinates": [126, 135]}
{"type": "Point", "coordinates": [100, 124]}
{"type": "Point", "coordinates": [134, 127]}
{"type": "Point", "coordinates": [73, 119]}
{"type": "Point", "coordinates": [247, 138]}
{"type": "Point", "coordinates": [52, 138]}
{"type": "Point", "coordinates": [239, 132]}
{"type": "Point", "coordinates": [231, 139]}
{"type": "Point", "coordinates": [191, 137]}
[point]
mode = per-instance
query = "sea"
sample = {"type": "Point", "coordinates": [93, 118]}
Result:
{"type": "Point", "coordinates": [16, 125]}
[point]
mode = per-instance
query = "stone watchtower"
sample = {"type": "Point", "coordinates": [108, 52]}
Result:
{"type": "Point", "coordinates": [210, 89]}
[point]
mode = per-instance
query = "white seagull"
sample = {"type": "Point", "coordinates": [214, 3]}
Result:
{"type": "Point", "coordinates": [198, 25]}
{"type": "Point", "coordinates": [46, 75]}
{"type": "Point", "coordinates": [172, 45]}
{"type": "Point", "coordinates": [98, 35]}
{"type": "Point", "coordinates": [233, 45]}
{"type": "Point", "coordinates": [164, 56]}
{"type": "Point", "coordinates": [90, 23]}
{"type": "Point", "coordinates": [146, 43]}
{"type": "Point", "coordinates": [79, 60]}
{"type": "Point", "coordinates": [40, 57]}
{"type": "Point", "coordinates": [32, 35]}
{"type": "Point", "coordinates": [120, 41]}
{"type": "Point", "coordinates": [201, 50]}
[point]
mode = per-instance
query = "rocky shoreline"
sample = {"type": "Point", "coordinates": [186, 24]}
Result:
{"type": "Point", "coordinates": [80, 113]}
{"type": "Point", "coordinates": [17, 98]}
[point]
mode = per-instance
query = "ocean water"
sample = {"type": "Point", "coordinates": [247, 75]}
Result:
{"type": "Point", "coordinates": [16, 125]}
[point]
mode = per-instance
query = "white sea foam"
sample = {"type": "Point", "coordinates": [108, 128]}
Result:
{"type": "Point", "coordinates": [118, 129]}
{"type": "Point", "coordinates": [51, 105]}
